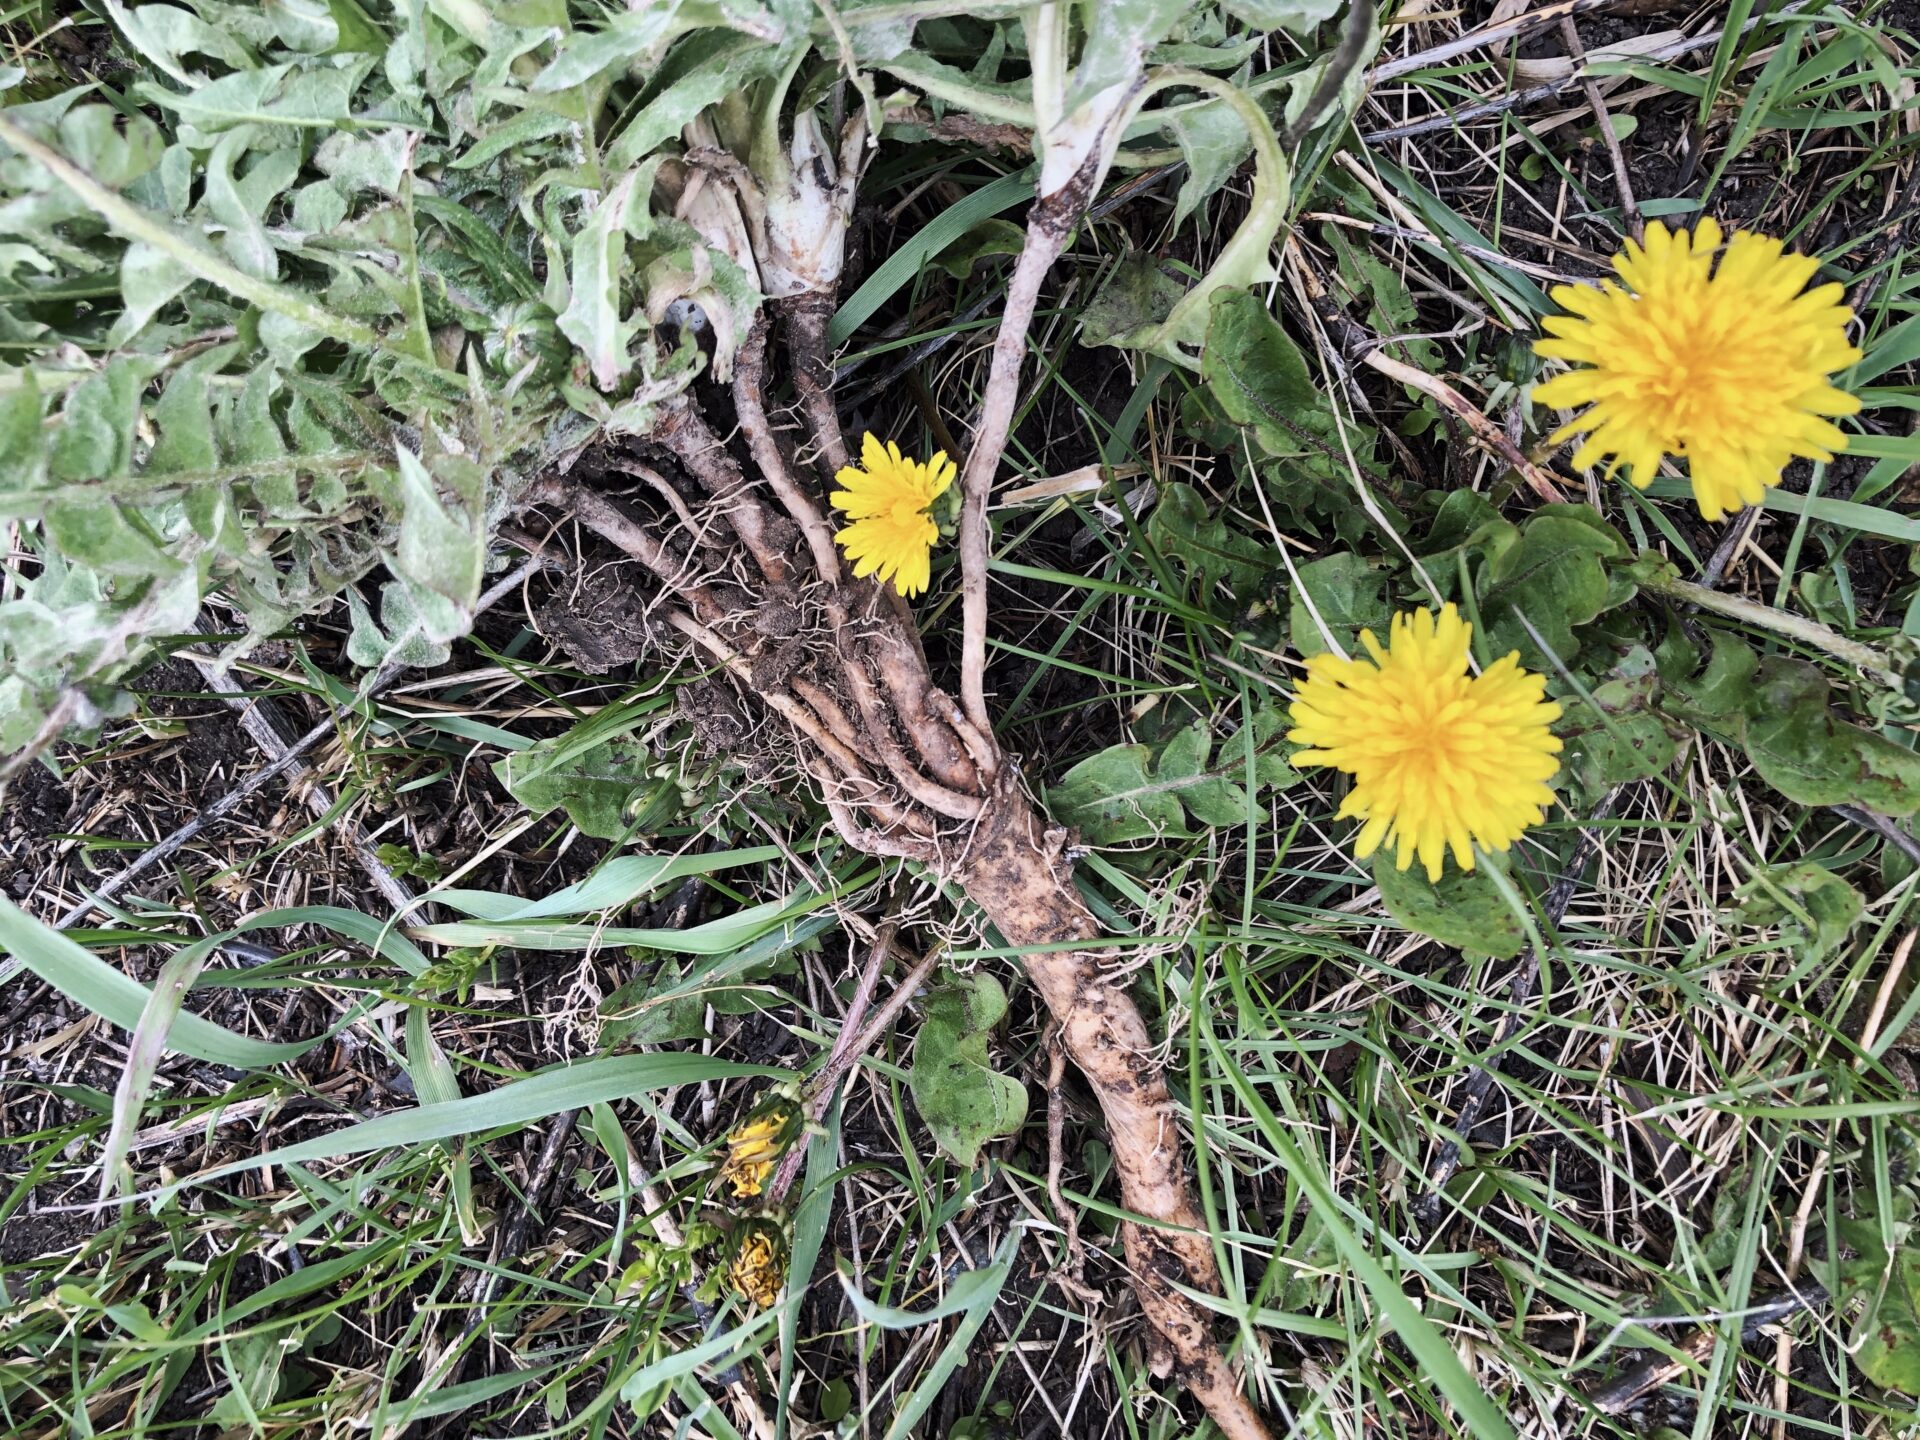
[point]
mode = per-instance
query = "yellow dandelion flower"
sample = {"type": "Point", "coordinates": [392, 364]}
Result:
{"type": "Point", "coordinates": [1726, 368]}
{"type": "Point", "coordinates": [755, 1273]}
{"type": "Point", "coordinates": [887, 498]}
{"type": "Point", "coordinates": [1440, 758]}
{"type": "Point", "coordinates": [753, 1148]}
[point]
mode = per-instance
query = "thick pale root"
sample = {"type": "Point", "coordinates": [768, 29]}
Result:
{"type": "Point", "coordinates": [1014, 873]}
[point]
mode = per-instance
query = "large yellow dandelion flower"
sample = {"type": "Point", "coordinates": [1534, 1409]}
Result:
{"type": "Point", "coordinates": [1440, 758]}
{"type": "Point", "coordinates": [1727, 368]}
{"type": "Point", "coordinates": [887, 497]}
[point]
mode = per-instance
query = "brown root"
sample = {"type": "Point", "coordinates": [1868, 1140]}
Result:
{"type": "Point", "coordinates": [1012, 871]}
{"type": "Point", "coordinates": [905, 770]}
{"type": "Point", "coordinates": [807, 317]}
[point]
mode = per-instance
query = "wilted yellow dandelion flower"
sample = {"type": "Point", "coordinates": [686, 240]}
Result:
{"type": "Point", "coordinates": [752, 1149]}
{"type": "Point", "coordinates": [755, 1273]}
{"type": "Point", "coordinates": [1440, 758]}
{"type": "Point", "coordinates": [888, 497]}
{"type": "Point", "coordinates": [1725, 368]}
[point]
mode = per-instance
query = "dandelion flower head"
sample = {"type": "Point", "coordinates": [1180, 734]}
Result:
{"type": "Point", "coordinates": [1441, 759]}
{"type": "Point", "coordinates": [752, 1149]}
{"type": "Point", "coordinates": [1724, 367]}
{"type": "Point", "coordinates": [887, 498]}
{"type": "Point", "coordinates": [755, 1272]}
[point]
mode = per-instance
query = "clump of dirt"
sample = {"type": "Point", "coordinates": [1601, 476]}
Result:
{"type": "Point", "coordinates": [599, 624]}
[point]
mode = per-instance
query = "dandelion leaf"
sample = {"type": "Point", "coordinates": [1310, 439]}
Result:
{"type": "Point", "coordinates": [1814, 908]}
{"type": "Point", "coordinates": [595, 786]}
{"type": "Point", "coordinates": [1553, 578]}
{"type": "Point", "coordinates": [1347, 595]}
{"type": "Point", "coordinates": [964, 1101]}
{"type": "Point", "coordinates": [1615, 734]}
{"type": "Point", "coordinates": [1465, 910]}
{"type": "Point", "coordinates": [1809, 754]}
{"type": "Point", "coordinates": [1209, 549]}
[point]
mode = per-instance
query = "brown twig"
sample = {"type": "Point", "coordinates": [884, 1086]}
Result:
{"type": "Point", "coordinates": [1048, 224]}
{"type": "Point", "coordinates": [1489, 435]}
{"type": "Point", "coordinates": [1622, 178]}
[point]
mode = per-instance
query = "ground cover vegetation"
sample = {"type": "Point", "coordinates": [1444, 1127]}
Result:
{"type": "Point", "coordinates": [960, 719]}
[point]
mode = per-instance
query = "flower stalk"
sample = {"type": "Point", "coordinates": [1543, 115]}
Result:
{"type": "Point", "coordinates": [1659, 579]}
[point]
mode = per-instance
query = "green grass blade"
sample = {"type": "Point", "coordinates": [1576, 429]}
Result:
{"type": "Point", "coordinates": [88, 980]}
{"type": "Point", "coordinates": [519, 1102]}
{"type": "Point", "coordinates": [619, 882]}
{"type": "Point", "coordinates": [1430, 1348]}
{"type": "Point", "coordinates": [940, 232]}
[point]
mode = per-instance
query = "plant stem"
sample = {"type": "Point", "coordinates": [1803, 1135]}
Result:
{"type": "Point", "coordinates": [1780, 622]}
{"type": "Point", "coordinates": [1047, 228]}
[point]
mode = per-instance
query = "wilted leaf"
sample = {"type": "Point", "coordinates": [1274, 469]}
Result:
{"type": "Point", "coordinates": [149, 278]}
{"type": "Point", "coordinates": [992, 236]}
{"type": "Point", "coordinates": [593, 318]}
{"type": "Point", "coordinates": [401, 636]}
{"type": "Point", "coordinates": [442, 547]}
{"type": "Point", "coordinates": [1215, 142]}
{"type": "Point", "coordinates": [1716, 698]}
{"type": "Point", "coordinates": [1210, 798]}
{"type": "Point", "coordinates": [959, 1095]}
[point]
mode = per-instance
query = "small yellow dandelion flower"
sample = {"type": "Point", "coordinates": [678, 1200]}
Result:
{"type": "Point", "coordinates": [755, 1273]}
{"type": "Point", "coordinates": [1726, 368]}
{"type": "Point", "coordinates": [1440, 758]}
{"type": "Point", "coordinates": [887, 498]}
{"type": "Point", "coordinates": [752, 1149]}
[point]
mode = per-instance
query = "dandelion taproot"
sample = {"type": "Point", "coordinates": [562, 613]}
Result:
{"type": "Point", "coordinates": [1725, 368]}
{"type": "Point", "coordinates": [1440, 758]}
{"type": "Point", "coordinates": [889, 500]}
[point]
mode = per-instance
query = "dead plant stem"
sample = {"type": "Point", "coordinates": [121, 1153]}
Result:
{"type": "Point", "coordinates": [1047, 230]}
